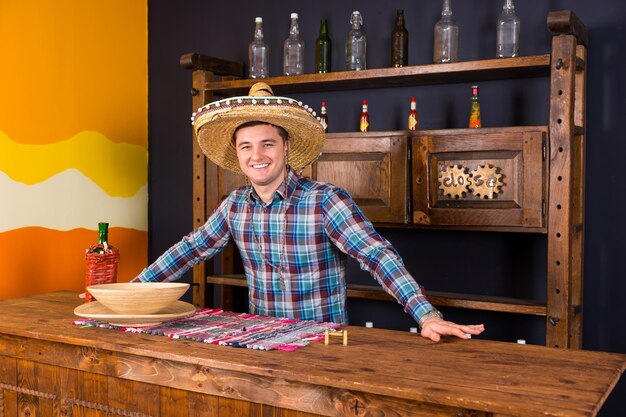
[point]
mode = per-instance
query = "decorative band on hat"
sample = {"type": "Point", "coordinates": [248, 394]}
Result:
{"type": "Point", "coordinates": [251, 101]}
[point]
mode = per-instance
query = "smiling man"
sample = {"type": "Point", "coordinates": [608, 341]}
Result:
{"type": "Point", "coordinates": [262, 151]}
{"type": "Point", "coordinates": [293, 233]}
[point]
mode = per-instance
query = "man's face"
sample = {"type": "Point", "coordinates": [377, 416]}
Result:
{"type": "Point", "coordinates": [262, 155]}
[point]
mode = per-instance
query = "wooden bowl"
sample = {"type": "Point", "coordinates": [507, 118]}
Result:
{"type": "Point", "coordinates": [138, 297]}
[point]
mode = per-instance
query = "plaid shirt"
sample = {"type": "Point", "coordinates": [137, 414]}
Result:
{"type": "Point", "coordinates": [294, 251]}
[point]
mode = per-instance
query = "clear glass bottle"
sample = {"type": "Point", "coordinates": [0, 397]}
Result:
{"type": "Point", "coordinates": [508, 28]}
{"type": "Point", "coordinates": [323, 50]}
{"type": "Point", "coordinates": [364, 122]}
{"type": "Point", "coordinates": [446, 37]}
{"type": "Point", "coordinates": [293, 51]}
{"type": "Point", "coordinates": [356, 44]}
{"type": "Point", "coordinates": [474, 119]}
{"type": "Point", "coordinates": [258, 52]}
{"type": "Point", "coordinates": [399, 42]}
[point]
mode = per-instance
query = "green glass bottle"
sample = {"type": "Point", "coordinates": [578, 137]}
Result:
{"type": "Point", "coordinates": [103, 238]}
{"type": "Point", "coordinates": [323, 50]}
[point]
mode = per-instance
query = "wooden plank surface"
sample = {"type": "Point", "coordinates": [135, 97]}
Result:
{"type": "Point", "coordinates": [455, 72]}
{"type": "Point", "coordinates": [379, 368]}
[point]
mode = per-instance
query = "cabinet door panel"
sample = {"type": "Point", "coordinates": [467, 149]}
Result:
{"type": "Point", "coordinates": [482, 177]}
{"type": "Point", "coordinates": [227, 182]}
{"type": "Point", "coordinates": [372, 167]}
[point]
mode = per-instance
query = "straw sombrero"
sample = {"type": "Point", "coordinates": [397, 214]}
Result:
{"type": "Point", "coordinates": [215, 123]}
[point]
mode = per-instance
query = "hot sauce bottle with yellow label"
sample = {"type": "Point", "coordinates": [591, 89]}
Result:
{"type": "Point", "coordinates": [474, 120]}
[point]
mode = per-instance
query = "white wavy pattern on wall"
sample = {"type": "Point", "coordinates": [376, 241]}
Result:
{"type": "Point", "coordinates": [66, 201]}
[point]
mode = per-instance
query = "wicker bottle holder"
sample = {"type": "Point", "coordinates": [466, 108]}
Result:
{"type": "Point", "coordinates": [101, 267]}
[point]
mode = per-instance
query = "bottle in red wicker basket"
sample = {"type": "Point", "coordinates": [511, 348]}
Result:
{"type": "Point", "coordinates": [102, 260]}
{"type": "Point", "coordinates": [103, 239]}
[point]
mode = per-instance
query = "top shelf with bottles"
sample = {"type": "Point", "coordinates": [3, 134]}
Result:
{"type": "Point", "coordinates": [563, 22]}
{"type": "Point", "coordinates": [455, 72]}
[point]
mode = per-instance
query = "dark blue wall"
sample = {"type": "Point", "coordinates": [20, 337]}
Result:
{"type": "Point", "coordinates": [504, 264]}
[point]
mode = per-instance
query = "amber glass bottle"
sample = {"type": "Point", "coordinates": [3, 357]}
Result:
{"type": "Point", "coordinates": [399, 42]}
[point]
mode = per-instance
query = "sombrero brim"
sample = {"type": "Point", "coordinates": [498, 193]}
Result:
{"type": "Point", "coordinates": [216, 122]}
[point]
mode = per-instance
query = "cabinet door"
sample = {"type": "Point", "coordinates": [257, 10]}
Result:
{"type": "Point", "coordinates": [480, 177]}
{"type": "Point", "coordinates": [373, 168]}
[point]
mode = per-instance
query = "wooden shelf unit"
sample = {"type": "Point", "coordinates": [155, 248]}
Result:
{"type": "Point", "coordinates": [557, 204]}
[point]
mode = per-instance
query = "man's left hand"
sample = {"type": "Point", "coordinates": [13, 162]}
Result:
{"type": "Point", "coordinates": [435, 327]}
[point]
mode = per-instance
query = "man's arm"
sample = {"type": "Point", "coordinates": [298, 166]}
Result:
{"type": "Point", "coordinates": [200, 245]}
{"type": "Point", "coordinates": [353, 234]}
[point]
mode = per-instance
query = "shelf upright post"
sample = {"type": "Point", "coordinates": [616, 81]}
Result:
{"type": "Point", "coordinates": [205, 173]}
{"type": "Point", "coordinates": [566, 199]}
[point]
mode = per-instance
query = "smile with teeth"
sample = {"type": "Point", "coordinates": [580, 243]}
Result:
{"type": "Point", "coordinates": [259, 166]}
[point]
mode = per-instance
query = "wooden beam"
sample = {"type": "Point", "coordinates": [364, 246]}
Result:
{"type": "Point", "coordinates": [443, 299]}
{"type": "Point", "coordinates": [458, 72]}
{"type": "Point", "coordinates": [565, 22]}
{"type": "Point", "coordinates": [195, 61]}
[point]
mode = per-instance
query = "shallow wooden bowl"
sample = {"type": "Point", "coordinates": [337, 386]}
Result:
{"type": "Point", "coordinates": [139, 297]}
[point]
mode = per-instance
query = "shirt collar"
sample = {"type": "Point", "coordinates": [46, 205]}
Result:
{"type": "Point", "coordinates": [291, 181]}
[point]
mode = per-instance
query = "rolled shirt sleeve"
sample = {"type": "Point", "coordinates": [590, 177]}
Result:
{"type": "Point", "coordinates": [200, 245]}
{"type": "Point", "coordinates": [355, 235]}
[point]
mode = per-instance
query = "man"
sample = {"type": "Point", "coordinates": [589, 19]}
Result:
{"type": "Point", "coordinates": [293, 233]}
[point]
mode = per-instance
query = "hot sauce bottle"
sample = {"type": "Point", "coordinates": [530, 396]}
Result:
{"type": "Point", "coordinates": [412, 122]}
{"type": "Point", "coordinates": [364, 124]}
{"type": "Point", "coordinates": [474, 120]}
{"type": "Point", "coordinates": [324, 116]}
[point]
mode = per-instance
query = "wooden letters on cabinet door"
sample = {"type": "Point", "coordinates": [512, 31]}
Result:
{"type": "Point", "coordinates": [480, 177]}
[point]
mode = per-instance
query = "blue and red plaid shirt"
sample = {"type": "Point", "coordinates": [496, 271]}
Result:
{"type": "Point", "coordinates": [294, 251]}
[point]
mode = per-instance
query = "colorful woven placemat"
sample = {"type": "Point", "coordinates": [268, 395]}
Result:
{"type": "Point", "coordinates": [232, 329]}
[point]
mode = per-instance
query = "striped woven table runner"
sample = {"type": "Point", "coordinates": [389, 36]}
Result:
{"type": "Point", "coordinates": [233, 329]}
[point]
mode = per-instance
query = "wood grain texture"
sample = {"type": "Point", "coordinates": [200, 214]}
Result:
{"type": "Point", "coordinates": [565, 22]}
{"type": "Point", "coordinates": [372, 167]}
{"type": "Point", "coordinates": [196, 62]}
{"type": "Point", "coordinates": [562, 278]}
{"type": "Point", "coordinates": [438, 298]}
{"type": "Point", "coordinates": [202, 294]}
{"type": "Point", "coordinates": [516, 153]}
{"type": "Point", "coordinates": [384, 372]}
{"type": "Point", "coordinates": [466, 71]}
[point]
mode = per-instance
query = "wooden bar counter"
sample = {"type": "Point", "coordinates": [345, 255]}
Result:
{"type": "Point", "coordinates": [49, 367]}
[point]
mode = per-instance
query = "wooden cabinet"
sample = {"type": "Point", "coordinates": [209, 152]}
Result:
{"type": "Point", "coordinates": [373, 168]}
{"type": "Point", "coordinates": [487, 177]}
{"type": "Point", "coordinates": [515, 179]}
